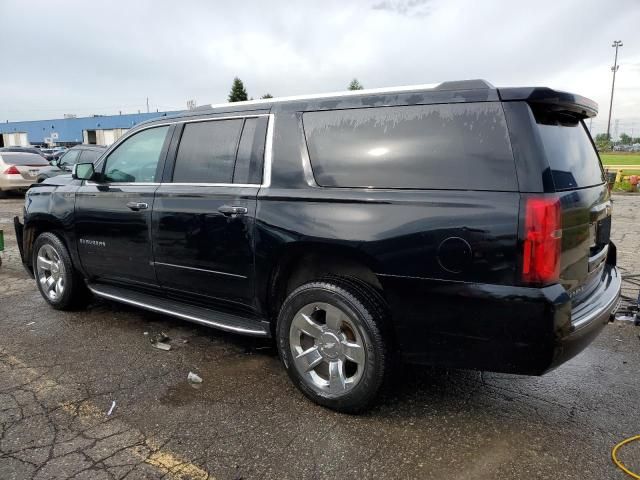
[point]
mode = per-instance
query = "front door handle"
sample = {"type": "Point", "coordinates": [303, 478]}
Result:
{"type": "Point", "coordinates": [232, 210]}
{"type": "Point", "coordinates": [135, 206]}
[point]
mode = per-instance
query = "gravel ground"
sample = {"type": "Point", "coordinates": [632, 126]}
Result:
{"type": "Point", "coordinates": [61, 371]}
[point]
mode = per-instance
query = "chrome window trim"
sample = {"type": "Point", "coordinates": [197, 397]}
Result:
{"type": "Point", "coordinates": [267, 159]}
{"type": "Point", "coordinates": [200, 269]}
{"type": "Point", "coordinates": [124, 184]}
{"type": "Point", "coordinates": [202, 184]}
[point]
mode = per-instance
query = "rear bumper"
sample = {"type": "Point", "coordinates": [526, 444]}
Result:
{"type": "Point", "coordinates": [8, 182]}
{"type": "Point", "coordinates": [495, 327]}
{"type": "Point", "coordinates": [589, 317]}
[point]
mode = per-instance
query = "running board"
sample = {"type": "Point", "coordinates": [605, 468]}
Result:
{"type": "Point", "coordinates": [191, 313]}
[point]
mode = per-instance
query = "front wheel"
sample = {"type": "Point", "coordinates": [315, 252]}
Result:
{"type": "Point", "coordinates": [331, 339]}
{"type": "Point", "coordinates": [59, 283]}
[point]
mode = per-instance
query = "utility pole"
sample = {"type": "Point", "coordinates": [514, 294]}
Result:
{"type": "Point", "coordinates": [147, 104]}
{"type": "Point", "coordinates": [616, 44]}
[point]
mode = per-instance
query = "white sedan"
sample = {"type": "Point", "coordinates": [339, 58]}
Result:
{"type": "Point", "coordinates": [18, 171]}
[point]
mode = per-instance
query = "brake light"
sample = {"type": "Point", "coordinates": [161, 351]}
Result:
{"type": "Point", "coordinates": [12, 170]}
{"type": "Point", "coordinates": [542, 240]}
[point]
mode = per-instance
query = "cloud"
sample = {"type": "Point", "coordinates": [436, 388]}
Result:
{"type": "Point", "coordinates": [94, 57]}
{"type": "Point", "coordinates": [412, 8]}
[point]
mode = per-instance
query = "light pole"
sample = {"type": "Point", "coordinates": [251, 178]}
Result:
{"type": "Point", "coordinates": [614, 69]}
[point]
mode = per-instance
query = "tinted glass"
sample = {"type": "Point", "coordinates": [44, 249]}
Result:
{"type": "Point", "coordinates": [249, 163]}
{"type": "Point", "coordinates": [572, 157]}
{"type": "Point", "coordinates": [207, 152]}
{"type": "Point", "coordinates": [454, 146]}
{"type": "Point", "coordinates": [90, 156]}
{"type": "Point", "coordinates": [70, 157]}
{"type": "Point", "coordinates": [136, 159]}
{"type": "Point", "coordinates": [19, 159]}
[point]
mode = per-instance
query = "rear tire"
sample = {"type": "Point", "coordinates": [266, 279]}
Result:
{"type": "Point", "coordinates": [334, 342]}
{"type": "Point", "coordinates": [59, 282]}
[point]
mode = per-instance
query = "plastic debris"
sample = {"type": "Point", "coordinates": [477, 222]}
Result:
{"type": "Point", "coordinates": [30, 323]}
{"type": "Point", "coordinates": [159, 341]}
{"type": "Point", "coordinates": [113, 405]}
{"type": "Point", "coordinates": [194, 378]}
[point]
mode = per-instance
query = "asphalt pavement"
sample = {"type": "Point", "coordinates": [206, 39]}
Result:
{"type": "Point", "coordinates": [60, 373]}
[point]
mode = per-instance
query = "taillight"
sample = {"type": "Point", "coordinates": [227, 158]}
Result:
{"type": "Point", "coordinates": [12, 170]}
{"type": "Point", "coordinates": [542, 241]}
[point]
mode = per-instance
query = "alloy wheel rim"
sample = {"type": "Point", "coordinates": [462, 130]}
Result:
{"type": "Point", "coordinates": [327, 347]}
{"type": "Point", "coordinates": [51, 272]}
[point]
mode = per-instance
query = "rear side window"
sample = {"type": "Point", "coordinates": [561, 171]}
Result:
{"type": "Point", "coordinates": [207, 152]}
{"type": "Point", "coordinates": [453, 146]}
{"type": "Point", "coordinates": [251, 151]}
{"type": "Point", "coordinates": [572, 157]}
{"type": "Point", "coordinates": [23, 159]}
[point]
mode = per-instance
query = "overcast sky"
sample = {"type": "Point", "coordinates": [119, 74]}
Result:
{"type": "Point", "coordinates": [90, 57]}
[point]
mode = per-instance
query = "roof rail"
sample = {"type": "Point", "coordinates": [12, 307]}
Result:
{"type": "Point", "coordinates": [444, 86]}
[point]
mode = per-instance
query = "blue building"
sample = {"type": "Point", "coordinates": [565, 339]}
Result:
{"type": "Point", "coordinates": [97, 130]}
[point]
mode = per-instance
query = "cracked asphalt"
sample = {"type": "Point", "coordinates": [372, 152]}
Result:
{"type": "Point", "coordinates": [61, 371]}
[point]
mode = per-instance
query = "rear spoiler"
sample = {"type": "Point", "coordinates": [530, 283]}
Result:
{"type": "Point", "coordinates": [553, 99]}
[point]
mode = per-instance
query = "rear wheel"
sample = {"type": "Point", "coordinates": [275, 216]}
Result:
{"type": "Point", "coordinates": [331, 341]}
{"type": "Point", "coordinates": [58, 281]}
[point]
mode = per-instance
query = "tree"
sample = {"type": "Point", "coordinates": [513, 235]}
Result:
{"type": "Point", "coordinates": [603, 141]}
{"type": "Point", "coordinates": [267, 95]}
{"type": "Point", "coordinates": [355, 85]}
{"type": "Point", "coordinates": [625, 139]}
{"type": "Point", "coordinates": [238, 93]}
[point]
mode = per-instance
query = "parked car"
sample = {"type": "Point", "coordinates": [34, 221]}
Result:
{"type": "Point", "coordinates": [77, 154]}
{"type": "Point", "coordinates": [18, 170]}
{"type": "Point", "coordinates": [22, 149]}
{"type": "Point", "coordinates": [460, 225]}
{"type": "Point", "coordinates": [53, 154]}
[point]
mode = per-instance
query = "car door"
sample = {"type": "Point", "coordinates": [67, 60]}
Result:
{"type": "Point", "coordinates": [203, 216]}
{"type": "Point", "coordinates": [113, 214]}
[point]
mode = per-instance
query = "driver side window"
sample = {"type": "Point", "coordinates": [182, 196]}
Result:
{"type": "Point", "coordinates": [136, 159]}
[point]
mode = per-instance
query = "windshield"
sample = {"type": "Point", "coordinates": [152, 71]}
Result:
{"type": "Point", "coordinates": [70, 158]}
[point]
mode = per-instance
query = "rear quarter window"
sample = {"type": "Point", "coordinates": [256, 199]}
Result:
{"type": "Point", "coordinates": [462, 146]}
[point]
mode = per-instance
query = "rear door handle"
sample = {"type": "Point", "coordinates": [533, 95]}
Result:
{"type": "Point", "coordinates": [135, 206]}
{"type": "Point", "coordinates": [230, 210]}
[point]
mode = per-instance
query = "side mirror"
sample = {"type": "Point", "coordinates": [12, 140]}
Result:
{"type": "Point", "coordinates": [83, 171]}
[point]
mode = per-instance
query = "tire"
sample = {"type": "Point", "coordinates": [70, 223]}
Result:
{"type": "Point", "coordinates": [69, 290]}
{"type": "Point", "coordinates": [334, 342]}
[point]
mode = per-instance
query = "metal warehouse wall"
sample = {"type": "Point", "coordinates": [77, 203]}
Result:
{"type": "Point", "coordinates": [70, 129]}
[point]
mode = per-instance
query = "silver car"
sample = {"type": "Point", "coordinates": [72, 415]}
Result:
{"type": "Point", "coordinates": [18, 171]}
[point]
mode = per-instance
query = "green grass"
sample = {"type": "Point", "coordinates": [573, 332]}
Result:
{"type": "Point", "coordinates": [620, 158]}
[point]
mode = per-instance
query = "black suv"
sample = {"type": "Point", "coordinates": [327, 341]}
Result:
{"type": "Point", "coordinates": [458, 225]}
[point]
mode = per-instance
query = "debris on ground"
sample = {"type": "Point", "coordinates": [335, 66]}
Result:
{"type": "Point", "coordinates": [194, 378]}
{"type": "Point", "coordinates": [30, 323]}
{"type": "Point", "coordinates": [160, 340]}
{"type": "Point", "coordinates": [113, 405]}
{"type": "Point", "coordinates": [161, 346]}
